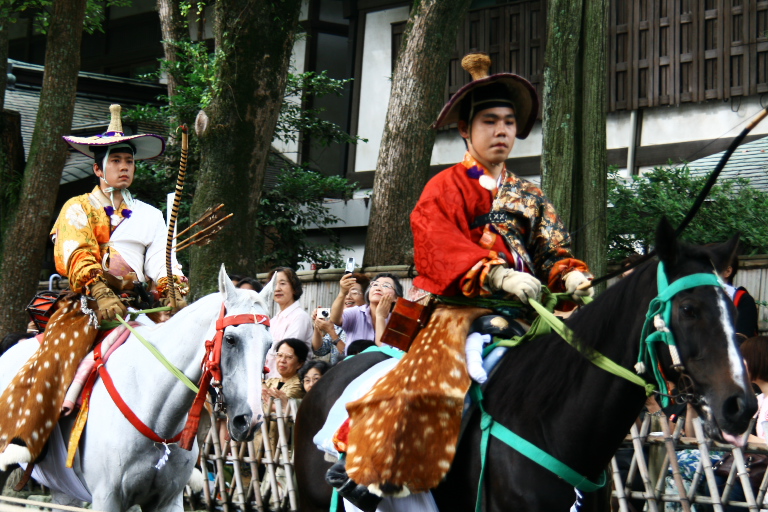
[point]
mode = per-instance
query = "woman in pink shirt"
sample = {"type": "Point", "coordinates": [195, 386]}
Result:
{"type": "Point", "coordinates": [292, 321]}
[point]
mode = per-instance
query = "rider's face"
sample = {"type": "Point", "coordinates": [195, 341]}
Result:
{"type": "Point", "coordinates": [492, 135]}
{"type": "Point", "coordinates": [119, 172]}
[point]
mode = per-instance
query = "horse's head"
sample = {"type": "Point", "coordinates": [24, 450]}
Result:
{"type": "Point", "coordinates": [243, 349]}
{"type": "Point", "coordinates": [702, 322]}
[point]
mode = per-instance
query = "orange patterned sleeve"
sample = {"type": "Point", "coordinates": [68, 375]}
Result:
{"type": "Point", "coordinates": [560, 269]}
{"type": "Point", "coordinates": [473, 282]}
{"type": "Point", "coordinates": [77, 236]}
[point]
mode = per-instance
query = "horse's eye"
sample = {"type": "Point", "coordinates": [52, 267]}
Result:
{"type": "Point", "coordinates": [688, 311]}
{"type": "Point", "coordinates": [231, 340]}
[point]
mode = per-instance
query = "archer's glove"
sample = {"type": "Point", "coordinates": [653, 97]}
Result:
{"type": "Point", "coordinates": [520, 284]}
{"type": "Point", "coordinates": [108, 303]}
{"type": "Point", "coordinates": [575, 279]}
{"type": "Point", "coordinates": [165, 300]}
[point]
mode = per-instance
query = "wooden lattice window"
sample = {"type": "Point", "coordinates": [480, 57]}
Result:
{"type": "Point", "coordinates": [687, 50]}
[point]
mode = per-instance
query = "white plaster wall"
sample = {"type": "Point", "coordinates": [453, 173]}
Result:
{"type": "Point", "coordinates": [699, 121]}
{"type": "Point", "coordinates": [618, 130]}
{"type": "Point", "coordinates": [291, 149]}
{"type": "Point", "coordinates": [375, 83]}
{"type": "Point", "coordinates": [354, 240]}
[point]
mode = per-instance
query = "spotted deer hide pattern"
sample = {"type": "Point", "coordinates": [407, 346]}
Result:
{"type": "Point", "coordinates": [404, 431]}
{"type": "Point", "coordinates": [31, 404]}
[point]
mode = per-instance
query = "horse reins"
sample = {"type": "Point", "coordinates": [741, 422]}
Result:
{"type": "Point", "coordinates": [212, 376]}
{"type": "Point", "coordinates": [212, 369]}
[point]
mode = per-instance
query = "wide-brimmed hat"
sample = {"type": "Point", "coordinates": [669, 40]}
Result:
{"type": "Point", "coordinates": [146, 145]}
{"type": "Point", "coordinates": [486, 91]}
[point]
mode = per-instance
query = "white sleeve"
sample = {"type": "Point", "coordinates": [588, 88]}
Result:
{"type": "Point", "coordinates": [301, 328]}
{"type": "Point", "coordinates": [154, 259]}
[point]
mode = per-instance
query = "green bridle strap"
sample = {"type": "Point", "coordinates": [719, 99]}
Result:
{"type": "Point", "coordinates": [547, 322]}
{"type": "Point", "coordinates": [160, 357]}
{"type": "Point", "coordinates": [490, 427]}
{"type": "Point", "coordinates": [657, 321]}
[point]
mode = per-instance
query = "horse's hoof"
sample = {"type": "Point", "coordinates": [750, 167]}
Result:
{"type": "Point", "coordinates": [359, 495]}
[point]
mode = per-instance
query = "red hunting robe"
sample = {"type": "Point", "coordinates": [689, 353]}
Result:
{"type": "Point", "coordinates": [404, 431]}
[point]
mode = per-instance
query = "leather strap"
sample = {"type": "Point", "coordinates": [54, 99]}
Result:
{"type": "Point", "coordinates": [25, 477]}
{"type": "Point", "coordinates": [211, 370]}
{"type": "Point", "coordinates": [127, 412]}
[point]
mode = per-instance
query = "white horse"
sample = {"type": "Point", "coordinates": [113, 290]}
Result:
{"type": "Point", "coordinates": [117, 463]}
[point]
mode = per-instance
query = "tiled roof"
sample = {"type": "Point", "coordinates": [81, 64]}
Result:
{"type": "Point", "coordinates": [749, 161]}
{"type": "Point", "coordinates": [90, 112]}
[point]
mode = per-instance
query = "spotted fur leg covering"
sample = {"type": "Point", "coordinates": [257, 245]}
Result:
{"type": "Point", "coordinates": [403, 433]}
{"type": "Point", "coordinates": [31, 404]}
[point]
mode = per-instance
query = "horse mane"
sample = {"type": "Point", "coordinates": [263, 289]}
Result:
{"type": "Point", "coordinates": [531, 367]}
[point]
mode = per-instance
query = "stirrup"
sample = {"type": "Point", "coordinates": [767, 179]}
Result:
{"type": "Point", "coordinates": [359, 495]}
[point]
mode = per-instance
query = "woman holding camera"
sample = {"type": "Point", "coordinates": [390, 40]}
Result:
{"type": "Point", "coordinates": [366, 322]}
{"type": "Point", "coordinates": [329, 340]}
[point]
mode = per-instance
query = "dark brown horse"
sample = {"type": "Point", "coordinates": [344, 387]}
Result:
{"type": "Point", "coordinates": [548, 393]}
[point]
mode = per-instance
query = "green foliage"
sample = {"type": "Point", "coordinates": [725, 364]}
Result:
{"type": "Point", "coordinates": [636, 205]}
{"type": "Point", "coordinates": [295, 119]}
{"type": "Point", "coordinates": [294, 205]}
{"type": "Point", "coordinates": [296, 202]}
{"type": "Point", "coordinates": [40, 12]}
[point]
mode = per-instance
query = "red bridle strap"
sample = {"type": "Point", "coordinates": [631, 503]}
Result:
{"type": "Point", "coordinates": [212, 370]}
{"type": "Point", "coordinates": [124, 408]}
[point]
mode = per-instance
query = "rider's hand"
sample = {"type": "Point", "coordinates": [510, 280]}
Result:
{"type": "Point", "coordinates": [520, 284]}
{"type": "Point", "coordinates": [109, 305]}
{"type": "Point", "coordinates": [575, 284]}
{"type": "Point", "coordinates": [165, 300]}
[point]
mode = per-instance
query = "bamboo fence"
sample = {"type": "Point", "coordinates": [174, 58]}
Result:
{"type": "Point", "coordinates": [656, 478]}
{"type": "Point", "coordinates": [233, 481]}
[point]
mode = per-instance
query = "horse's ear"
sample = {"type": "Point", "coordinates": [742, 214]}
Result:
{"type": "Point", "coordinates": [724, 254]}
{"type": "Point", "coordinates": [266, 293]}
{"type": "Point", "coordinates": [226, 288]}
{"type": "Point", "coordinates": [667, 247]}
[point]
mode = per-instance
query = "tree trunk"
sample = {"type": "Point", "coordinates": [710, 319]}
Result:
{"type": "Point", "coordinates": [174, 30]}
{"type": "Point", "coordinates": [418, 92]}
{"type": "Point", "coordinates": [11, 167]}
{"type": "Point", "coordinates": [28, 231]}
{"type": "Point", "coordinates": [593, 186]}
{"type": "Point", "coordinates": [574, 162]}
{"type": "Point", "coordinates": [255, 39]}
{"type": "Point", "coordinates": [560, 158]}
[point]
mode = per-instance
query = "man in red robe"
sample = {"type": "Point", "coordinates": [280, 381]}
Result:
{"type": "Point", "coordinates": [478, 230]}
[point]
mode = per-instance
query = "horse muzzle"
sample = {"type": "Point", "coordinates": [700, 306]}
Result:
{"type": "Point", "coordinates": [243, 427]}
{"type": "Point", "coordinates": [730, 419]}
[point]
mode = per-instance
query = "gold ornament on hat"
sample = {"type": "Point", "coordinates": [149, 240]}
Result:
{"type": "Point", "coordinates": [478, 65]}
{"type": "Point", "coordinates": [115, 121]}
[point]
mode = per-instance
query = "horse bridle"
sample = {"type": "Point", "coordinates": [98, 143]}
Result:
{"type": "Point", "coordinates": [212, 370]}
{"type": "Point", "coordinates": [656, 329]}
